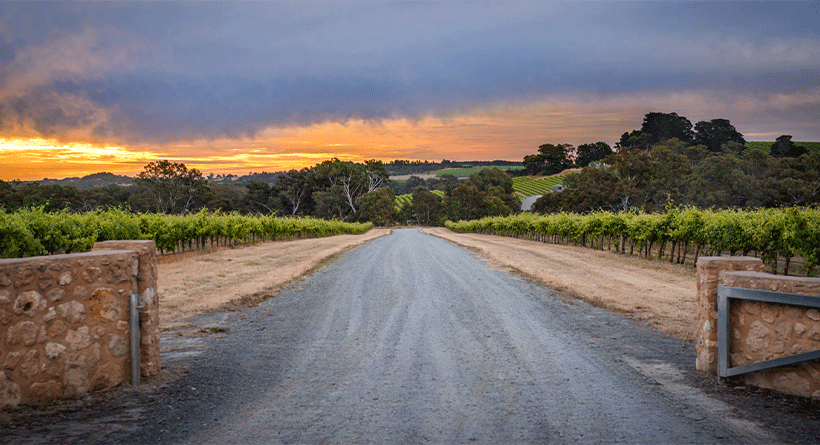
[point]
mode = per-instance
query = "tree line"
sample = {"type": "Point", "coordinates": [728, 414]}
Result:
{"type": "Point", "coordinates": [666, 163]}
{"type": "Point", "coordinates": [669, 162]}
{"type": "Point", "coordinates": [333, 189]}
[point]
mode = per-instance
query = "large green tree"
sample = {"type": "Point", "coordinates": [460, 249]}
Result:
{"type": "Point", "coordinates": [295, 189]}
{"type": "Point", "coordinates": [549, 160]}
{"type": "Point", "coordinates": [716, 133]}
{"type": "Point", "coordinates": [668, 177]}
{"type": "Point", "coordinates": [378, 207]}
{"type": "Point", "coordinates": [796, 181]}
{"type": "Point", "coordinates": [349, 181]}
{"type": "Point", "coordinates": [426, 207]}
{"type": "Point", "coordinates": [586, 154]}
{"type": "Point", "coordinates": [172, 186]}
{"type": "Point", "coordinates": [785, 148]}
{"type": "Point", "coordinates": [663, 126]}
{"type": "Point", "coordinates": [488, 192]}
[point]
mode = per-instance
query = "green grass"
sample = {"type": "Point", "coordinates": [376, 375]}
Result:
{"type": "Point", "coordinates": [812, 147]}
{"type": "Point", "coordinates": [526, 186]}
{"type": "Point", "coordinates": [465, 172]}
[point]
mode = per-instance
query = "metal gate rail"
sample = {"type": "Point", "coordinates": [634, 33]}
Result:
{"type": "Point", "coordinates": [724, 294]}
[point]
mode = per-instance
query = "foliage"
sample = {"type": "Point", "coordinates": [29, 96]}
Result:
{"type": "Point", "coordinates": [34, 232]}
{"type": "Point", "coordinates": [549, 160]}
{"type": "Point", "coordinates": [717, 133]}
{"type": "Point", "coordinates": [378, 207]}
{"type": "Point", "coordinates": [172, 186]}
{"type": "Point", "coordinates": [486, 193]}
{"type": "Point", "coordinates": [785, 148]}
{"type": "Point", "coordinates": [665, 126]}
{"type": "Point", "coordinates": [771, 233]}
{"type": "Point", "coordinates": [427, 207]}
{"type": "Point", "coordinates": [586, 154]}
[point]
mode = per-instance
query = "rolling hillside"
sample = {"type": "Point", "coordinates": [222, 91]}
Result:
{"type": "Point", "coordinates": [525, 186]}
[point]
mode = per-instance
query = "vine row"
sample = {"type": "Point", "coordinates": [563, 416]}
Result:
{"type": "Point", "coordinates": [768, 233]}
{"type": "Point", "coordinates": [33, 232]}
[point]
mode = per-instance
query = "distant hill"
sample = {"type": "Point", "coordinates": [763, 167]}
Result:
{"type": "Point", "coordinates": [91, 181]}
{"type": "Point", "coordinates": [103, 179]}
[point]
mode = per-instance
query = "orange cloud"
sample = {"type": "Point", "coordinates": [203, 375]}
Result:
{"type": "Point", "coordinates": [504, 131]}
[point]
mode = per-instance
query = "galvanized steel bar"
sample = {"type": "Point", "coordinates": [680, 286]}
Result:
{"type": "Point", "coordinates": [724, 294]}
{"type": "Point", "coordinates": [134, 339]}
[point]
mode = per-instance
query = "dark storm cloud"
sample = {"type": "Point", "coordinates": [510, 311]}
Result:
{"type": "Point", "coordinates": [170, 70]}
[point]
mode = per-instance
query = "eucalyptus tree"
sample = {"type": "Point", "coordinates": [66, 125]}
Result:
{"type": "Point", "coordinates": [171, 186]}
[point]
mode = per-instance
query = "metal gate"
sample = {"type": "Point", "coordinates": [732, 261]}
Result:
{"type": "Point", "coordinates": [725, 293]}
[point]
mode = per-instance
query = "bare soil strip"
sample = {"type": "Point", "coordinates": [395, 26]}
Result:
{"type": "Point", "coordinates": [661, 294]}
{"type": "Point", "coordinates": [241, 277]}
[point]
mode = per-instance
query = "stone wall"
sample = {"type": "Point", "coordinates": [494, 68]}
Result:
{"type": "Point", "coordinates": [708, 278]}
{"type": "Point", "coordinates": [64, 322]}
{"type": "Point", "coordinates": [149, 301]}
{"type": "Point", "coordinates": [764, 331]}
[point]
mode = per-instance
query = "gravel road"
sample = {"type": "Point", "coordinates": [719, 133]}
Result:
{"type": "Point", "coordinates": [411, 339]}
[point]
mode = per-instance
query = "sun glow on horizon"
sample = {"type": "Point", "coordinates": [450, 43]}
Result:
{"type": "Point", "coordinates": [501, 131]}
{"type": "Point", "coordinates": [509, 132]}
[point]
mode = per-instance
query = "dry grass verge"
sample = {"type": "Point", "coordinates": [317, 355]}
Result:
{"type": "Point", "coordinates": [241, 277]}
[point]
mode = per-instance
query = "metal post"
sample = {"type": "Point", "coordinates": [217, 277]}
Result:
{"type": "Point", "coordinates": [135, 339]}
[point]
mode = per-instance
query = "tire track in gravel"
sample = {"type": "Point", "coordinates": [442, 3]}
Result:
{"type": "Point", "coordinates": [411, 339]}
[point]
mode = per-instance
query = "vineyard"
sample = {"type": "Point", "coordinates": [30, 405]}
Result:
{"type": "Point", "coordinates": [35, 232]}
{"type": "Point", "coordinates": [407, 199]}
{"type": "Point", "coordinates": [525, 186]}
{"type": "Point", "coordinates": [771, 234]}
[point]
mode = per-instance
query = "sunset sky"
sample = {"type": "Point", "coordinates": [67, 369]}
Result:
{"type": "Point", "coordinates": [244, 87]}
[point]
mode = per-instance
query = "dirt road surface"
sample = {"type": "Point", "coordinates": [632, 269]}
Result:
{"type": "Point", "coordinates": [412, 339]}
{"type": "Point", "coordinates": [656, 292]}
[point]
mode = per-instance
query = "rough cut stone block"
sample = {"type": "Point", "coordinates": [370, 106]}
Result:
{"type": "Point", "coordinates": [117, 345]}
{"type": "Point", "coordinates": [78, 339]}
{"type": "Point", "coordinates": [23, 333]}
{"type": "Point", "coordinates": [10, 393]}
{"type": "Point", "coordinates": [55, 295]}
{"type": "Point", "coordinates": [46, 390]}
{"type": "Point", "coordinates": [12, 360]}
{"type": "Point", "coordinates": [29, 303]}
{"type": "Point", "coordinates": [5, 296]}
{"type": "Point", "coordinates": [56, 329]}
{"type": "Point", "coordinates": [104, 304]}
{"type": "Point", "coordinates": [73, 312]}
{"type": "Point", "coordinates": [54, 350]}
{"type": "Point", "coordinates": [91, 274]}
{"type": "Point", "coordinates": [24, 276]}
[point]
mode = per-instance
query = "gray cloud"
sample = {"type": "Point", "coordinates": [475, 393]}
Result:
{"type": "Point", "coordinates": [174, 70]}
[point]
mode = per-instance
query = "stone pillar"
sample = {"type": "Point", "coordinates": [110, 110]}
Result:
{"type": "Point", "coordinates": [147, 289]}
{"type": "Point", "coordinates": [708, 276]}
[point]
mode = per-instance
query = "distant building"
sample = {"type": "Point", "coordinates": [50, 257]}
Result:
{"type": "Point", "coordinates": [557, 188]}
{"type": "Point", "coordinates": [526, 204]}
